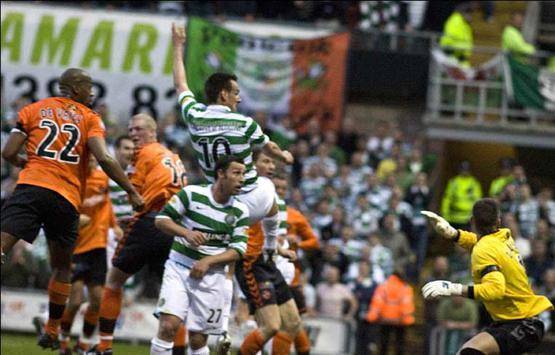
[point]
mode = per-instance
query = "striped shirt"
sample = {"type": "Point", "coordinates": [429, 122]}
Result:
{"type": "Point", "coordinates": [215, 130]}
{"type": "Point", "coordinates": [270, 241]}
{"type": "Point", "coordinates": [120, 204]}
{"type": "Point", "coordinates": [225, 225]}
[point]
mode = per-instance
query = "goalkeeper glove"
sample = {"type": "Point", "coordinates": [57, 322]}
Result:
{"type": "Point", "coordinates": [438, 288]}
{"type": "Point", "coordinates": [440, 225]}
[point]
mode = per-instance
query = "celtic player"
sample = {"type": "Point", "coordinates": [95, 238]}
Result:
{"type": "Point", "coordinates": [500, 282]}
{"type": "Point", "coordinates": [210, 229]}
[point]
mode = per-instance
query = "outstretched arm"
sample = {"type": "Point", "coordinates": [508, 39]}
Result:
{"type": "Point", "coordinates": [179, 76]}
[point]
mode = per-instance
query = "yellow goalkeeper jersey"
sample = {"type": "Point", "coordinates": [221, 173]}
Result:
{"type": "Point", "coordinates": [499, 276]}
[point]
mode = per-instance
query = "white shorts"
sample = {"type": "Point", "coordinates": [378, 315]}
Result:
{"type": "Point", "coordinates": [198, 302]}
{"type": "Point", "coordinates": [259, 200]}
{"type": "Point", "coordinates": [287, 269]}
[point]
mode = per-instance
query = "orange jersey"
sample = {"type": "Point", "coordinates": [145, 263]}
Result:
{"type": "Point", "coordinates": [298, 225]}
{"type": "Point", "coordinates": [255, 242]}
{"type": "Point", "coordinates": [57, 131]}
{"type": "Point", "coordinates": [98, 206]}
{"type": "Point", "coordinates": [157, 174]}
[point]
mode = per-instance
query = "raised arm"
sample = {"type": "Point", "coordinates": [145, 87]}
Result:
{"type": "Point", "coordinates": [179, 76]}
{"type": "Point", "coordinates": [97, 146]}
{"type": "Point", "coordinates": [273, 150]}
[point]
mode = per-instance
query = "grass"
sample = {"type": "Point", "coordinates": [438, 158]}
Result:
{"type": "Point", "coordinates": [20, 344]}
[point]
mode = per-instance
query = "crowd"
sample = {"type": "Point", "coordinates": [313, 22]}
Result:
{"type": "Point", "coordinates": [363, 194]}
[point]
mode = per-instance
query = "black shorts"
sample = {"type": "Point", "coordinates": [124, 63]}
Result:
{"type": "Point", "coordinates": [261, 282]}
{"type": "Point", "coordinates": [143, 244]}
{"type": "Point", "coordinates": [90, 267]}
{"type": "Point", "coordinates": [31, 208]}
{"type": "Point", "coordinates": [298, 296]}
{"type": "Point", "coordinates": [516, 336]}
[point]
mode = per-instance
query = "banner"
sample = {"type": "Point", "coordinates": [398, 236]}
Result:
{"type": "Point", "coordinates": [279, 76]}
{"type": "Point", "coordinates": [136, 323]}
{"type": "Point", "coordinates": [128, 55]}
{"type": "Point", "coordinates": [529, 85]}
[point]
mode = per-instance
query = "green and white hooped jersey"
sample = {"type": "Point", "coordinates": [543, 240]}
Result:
{"type": "Point", "coordinates": [120, 203]}
{"type": "Point", "coordinates": [282, 216]}
{"type": "Point", "coordinates": [215, 130]}
{"type": "Point", "coordinates": [225, 225]}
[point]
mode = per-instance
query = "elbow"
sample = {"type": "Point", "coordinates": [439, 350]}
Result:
{"type": "Point", "coordinates": [8, 155]}
{"type": "Point", "coordinates": [104, 159]}
{"type": "Point", "coordinates": [159, 224]}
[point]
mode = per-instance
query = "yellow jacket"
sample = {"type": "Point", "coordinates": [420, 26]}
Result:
{"type": "Point", "coordinates": [457, 36]}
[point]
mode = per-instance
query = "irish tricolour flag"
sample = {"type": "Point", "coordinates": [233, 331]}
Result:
{"type": "Point", "coordinates": [280, 76]}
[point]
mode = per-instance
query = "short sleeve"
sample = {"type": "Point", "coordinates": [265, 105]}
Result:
{"type": "Point", "coordinates": [176, 207]}
{"type": "Point", "coordinates": [239, 238]}
{"type": "Point", "coordinates": [95, 126]}
{"type": "Point", "coordinates": [255, 135]}
{"type": "Point", "coordinates": [22, 124]}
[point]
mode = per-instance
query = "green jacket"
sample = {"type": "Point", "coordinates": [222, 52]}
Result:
{"type": "Point", "coordinates": [457, 36]}
{"type": "Point", "coordinates": [498, 184]}
{"type": "Point", "coordinates": [459, 197]}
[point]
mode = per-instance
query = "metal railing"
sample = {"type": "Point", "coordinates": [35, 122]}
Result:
{"type": "Point", "coordinates": [480, 103]}
{"type": "Point", "coordinates": [414, 42]}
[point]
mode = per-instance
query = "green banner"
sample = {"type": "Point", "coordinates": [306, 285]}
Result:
{"type": "Point", "coordinates": [529, 85]}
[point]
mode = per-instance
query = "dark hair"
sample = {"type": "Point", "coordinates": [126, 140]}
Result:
{"type": "Point", "coordinates": [256, 153]}
{"type": "Point", "coordinates": [120, 139]}
{"type": "Point", "coordinates": [225, 161]}
{"type": "Point", "coordinates": [215, 84]}
{"type": "Point", "coordinates": [486, 213]}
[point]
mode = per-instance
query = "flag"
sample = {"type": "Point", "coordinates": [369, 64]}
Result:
{"type": "Point", "coordinates": [279, 76]}
{"type": "Point", "coordinates": [529, 85]}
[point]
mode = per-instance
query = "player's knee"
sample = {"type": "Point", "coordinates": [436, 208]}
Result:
{"type": "Point", "coordinates": [167, 329]}
{"type": "Point", "coordinates": [293, 325]}
{"type": "Point", "coordinates": [94, 305]}
{"type": "Point", "coordinates": [470, 351]}
{"type": "Point", "coordinates": [197, 340]}
{"type": "Point", "coordinates": [271, 329]}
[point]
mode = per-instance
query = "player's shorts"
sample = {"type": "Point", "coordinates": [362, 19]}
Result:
{"type": "Point", "coordinates": [517, 336]}
{"type": "Point", "coordinates": [298, 296]}
{"type": "Point", "coordinates": [90, 267]}
{"type": "Point", "coordinates": [143, 244]}
{"type": "Point", "coordinates": [259, 200]}
{"type": "Point", "coordinates": [199, 303]}
{"type": "Point", "coordinates": [261, 282]}
{"type": "Point", "coordinates": [31, 207]}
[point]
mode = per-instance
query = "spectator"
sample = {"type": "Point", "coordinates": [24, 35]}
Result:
{"type": "Point", "coordinates": [397, 242]}
{"type": "Point", "coordinates": [459, 316]}
{"type": "Point", "coordinates": [538, 262]}
{"type": "Point", "coordinates": [508, 199]}
{"type": "Point", "coordinates": [419, 196]}
{"type": "Point", "coordinates": [392, 307]}
{"type": "Point", "coordinates": [457, 40]}
{"type": "Point", "coordinates": [528, 212]}
{"type": "Point", "coordinates": [519, 175]}
{"type": "Point", "coordinates": [380, 144]}
{"type": "Point", "coordinates": [376, 194]}
{"type": "Point", "coordinates": [380, 256]}
{"type": "Point", "coordinates": [301, 151]}
{"type": "Point", "coordinates": [322, 159]}
{"type": "Point", "coordinates": [333, 230]}
{"type": "Point", "coordinates": [332, 296]}
{"type": "Point", "coordinates": [440, 271]}
{"type": "Point", "coordinates": [363, 288]}
{"type": "Point", "coordinates": [548, 289]}
{"type": "Point", "coordinates": [359, 169]}
{"type": "Point", "coordinates": [365, 218]}
{"type": "Point", "coordinates": [350, 247]}
{"type": "Point", "coordinates": [343, 183]}
{"type": "Point", "coordinates": [322, 219]}
{"type": "Point", "coordinates": [522, 244]}
{"type": "Point", "coordinates": [460, 195]}
{"type": "Point", "coordinates": [547, 205]}
{"type": "Point", "coordinates": [312, 185]}
{"type": "Point", "coordinates": [505, 177]}
{"type": "Point", "coordinates": [512, 40]}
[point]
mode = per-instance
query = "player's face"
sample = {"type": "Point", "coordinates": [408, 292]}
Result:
{"type": "Point", "coordinates": [140, 132]}
{"type": "Point", "coordinates": [281, 187]}
{"type": "Point", "coordinates": [124, 153]}
{"type": "Point", "coordinates": [232, 97]}
{"type": "Point", "coordinates": [265, 165]}
{"type": "Point", "coordinates": [234, 178]}
{"type": "Point", "coordinates": [83, 91]}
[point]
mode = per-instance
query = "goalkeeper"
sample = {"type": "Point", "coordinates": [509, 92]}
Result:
{"type": "Point", "coordinates": [500, 282]}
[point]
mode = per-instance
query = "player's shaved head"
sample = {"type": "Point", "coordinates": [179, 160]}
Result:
{"type": "Point", "coordinates": [76, 84]}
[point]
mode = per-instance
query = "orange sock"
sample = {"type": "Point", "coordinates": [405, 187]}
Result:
{"type": "Point", "coordinates": [180, 340]}
{"type": "Point", "coordinates": [302, 343]}
{"type": "Point", "coordinates": [281, 344]}
{"type": "Point", "coordinates": [89, 323]}
{"type": "Point", "coordinates": [253, 343]}
{"type": "Point", "coordinates": [58, 293]}
{"type": "Point", "coordinates": [110, 308]}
